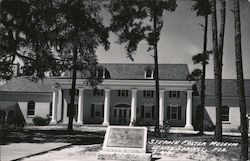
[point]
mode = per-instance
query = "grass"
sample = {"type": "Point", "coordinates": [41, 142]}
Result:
{"type": "Point", "coordinates": [45, 136]}
{"type": "Point", "coordinates": [86, 138]}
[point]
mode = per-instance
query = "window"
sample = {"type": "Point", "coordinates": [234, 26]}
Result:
{"type": "Point", "coordinates": [97, 110]}
{"type": "Point", "coordinates": [123, 93]}
{"type": "Point", "coordinates": [225, 113]}
{"type": "Point", "coordinates": [148, 93]}
{"type": "Point", "coordinates": [149, 73]}
{"type": "Point", "coordinates": [98, 92]}
{"type": "Point", "coordinates": [174, 94]}
{"type": "Point", "coordinates": [102, 73]}
{"type": "Point", "coordinates": [147, 111]}
{"type": "Point", "coordinates": [99, 73]}
{"type": "Point", "coordinates": [31, 108]}
{"type": "Point", "coordinates": [174, 112]}
{"type": "Point", "coordinates": [50, 109]}
{"type": "Point", "coordinates": [107, 74]}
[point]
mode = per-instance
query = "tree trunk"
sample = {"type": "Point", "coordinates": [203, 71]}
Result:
{"type": "Point", "coordinates": [240, 82]}
{"type": "Point", "coordinates": [72, 91]}
{"type": "Point", "coordinates": [156, 78]}
{"type": "Point", "coordinates": [222, 30]}
{"type": "Point", "coordinates": [203, 77]}
{"type": "Point", "coordinates": [217, 75]}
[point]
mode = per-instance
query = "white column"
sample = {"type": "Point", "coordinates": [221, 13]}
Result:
{"type": "Point", "coordinates": [106, 107]}
{"type": "Point", "coordinates": [189, 111]}
{"type": "Point", "coordinates": [6, 116]}
{"type": "Point", "coordinates": [59, 105]}
{"type": "Point", "coordinates": [65, 111]}
{"type": "Point", "coordinates": [80, 106]}
{"type": "Point", "coordinates": [133, 106]}
{"type": "Point", "coordinates": [54, 108]}
{"type": "Point", "coordinates": [161, 109]}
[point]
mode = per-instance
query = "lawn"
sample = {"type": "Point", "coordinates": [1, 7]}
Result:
{"type": "Point", "coordinates": [86, 144]}
{"type": "Point", "coordinates": [58, 135]}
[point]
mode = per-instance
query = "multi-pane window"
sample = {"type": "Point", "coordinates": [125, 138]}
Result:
{"type": "Point", "coordinates": [147, 111]}
{"type": "Point", "coordinates": [174, 94]}
{"type": "Point", "coordinates": [97, 110]}
{"type": "Point", "coordinates": [98, 92]}
{"type": "Point", "coordinates": [123, 93]}
{"type": "Point", "coordinates": [225, 113]}
{"type": "Point", "coordinates": [31, 108]}
{"type": "Point", "coordinates": [149, 73]}
{"type": "Point", "coordinates": [99, 73]}
{"type": "Point", "coordinates": [147, 93]}
{"type": "Point", "coordinates": [102, 73]}
{"type": "Point", "coordinates": [174, 112]}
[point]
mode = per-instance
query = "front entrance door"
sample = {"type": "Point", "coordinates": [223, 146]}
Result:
{"type": "Point", "coordinates": [122, 115]}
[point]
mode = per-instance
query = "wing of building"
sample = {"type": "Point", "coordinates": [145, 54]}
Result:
{"type": "Point", "coordinates": [126, 96]}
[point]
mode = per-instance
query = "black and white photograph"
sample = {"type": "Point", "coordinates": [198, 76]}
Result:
{"type": "Point", "coordinates": [124, 80]}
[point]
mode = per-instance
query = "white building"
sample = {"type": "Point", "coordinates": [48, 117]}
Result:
{"type": "Point", "coordinates": [125, 95]}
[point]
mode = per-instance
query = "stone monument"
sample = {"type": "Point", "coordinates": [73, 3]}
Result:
{"type": "Point", "coordinates": [125, 143]}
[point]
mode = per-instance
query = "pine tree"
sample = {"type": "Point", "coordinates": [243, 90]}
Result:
{"type": "Point", "coordinates": [138, 20]}
{"type": "Point", "coordinates": [203, 8]}
{"type": "Point", "coordinates": [240, 82]}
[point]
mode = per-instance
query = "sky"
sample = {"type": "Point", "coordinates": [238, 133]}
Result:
{"type": "Point", "coordinates": [182, 37]}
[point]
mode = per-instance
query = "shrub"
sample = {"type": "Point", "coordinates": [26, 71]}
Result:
{"type": "Point", "coordinates": [144, 122]}
{"type": "Point", "coordinates": [164, 130]}
{"type": "Point", "coordinates": [40, 121]}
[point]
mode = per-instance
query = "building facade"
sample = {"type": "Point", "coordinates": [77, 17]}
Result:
{"type": "Point", "coordinates": [126, 96]}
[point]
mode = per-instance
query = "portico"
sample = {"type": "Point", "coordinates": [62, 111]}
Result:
{"type": "Point", "coordinates": [135, 89]}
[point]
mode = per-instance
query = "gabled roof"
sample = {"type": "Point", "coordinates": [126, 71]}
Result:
{"type": "Point", "coordinates": [137, 71]}
{"type": "Point", "coordinates": [229, 87]}
{"type": "Point", "coordinates": [24, 84]}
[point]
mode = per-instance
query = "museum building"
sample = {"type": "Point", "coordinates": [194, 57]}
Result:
{"type": "Point", "coordinates": [126, 96]}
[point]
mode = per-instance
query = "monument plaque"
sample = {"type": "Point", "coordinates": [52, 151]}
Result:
{"type": "Point", "coordinates": [125, 143]}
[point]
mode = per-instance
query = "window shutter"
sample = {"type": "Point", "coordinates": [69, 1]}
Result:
{"type": "Point", "coordinates": [153, 111]}
{"type": "Point", "coordinates": [102, 111]}
{"type": "Point", "coordinates": [92, 110]}
{"type": "Point", "coordinates": [142, 111]}
{"type": "Point", "coordinates": [179, 112]}
{"type": "Point", "coordinates": [50, 109]}
{"type": "Point", "coordinates": [115, 111]}
{"type": "Point", "coordinates": [168, 112]}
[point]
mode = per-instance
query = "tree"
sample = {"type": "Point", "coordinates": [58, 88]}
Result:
{"type": "Point", "coordinates": [137, 20]}
{"type": "Point", "coordinates": [240, 82]}
{"type": "Point", "coordinates": [202, 8]}
{"type": "Point", "coordinates": [218, 52]}
{"type": "Point", "coordinates": [82, 31]}
{"type": "Point", "coordinates": [54, 36]}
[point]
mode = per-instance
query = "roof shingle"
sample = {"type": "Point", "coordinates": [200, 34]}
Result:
{"type": "Point", "coordinates": [23, 84]}
{"type": "Point", "coordinates": [229, 87]}
{"type": "Point", "coordinates": [137, 71]}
